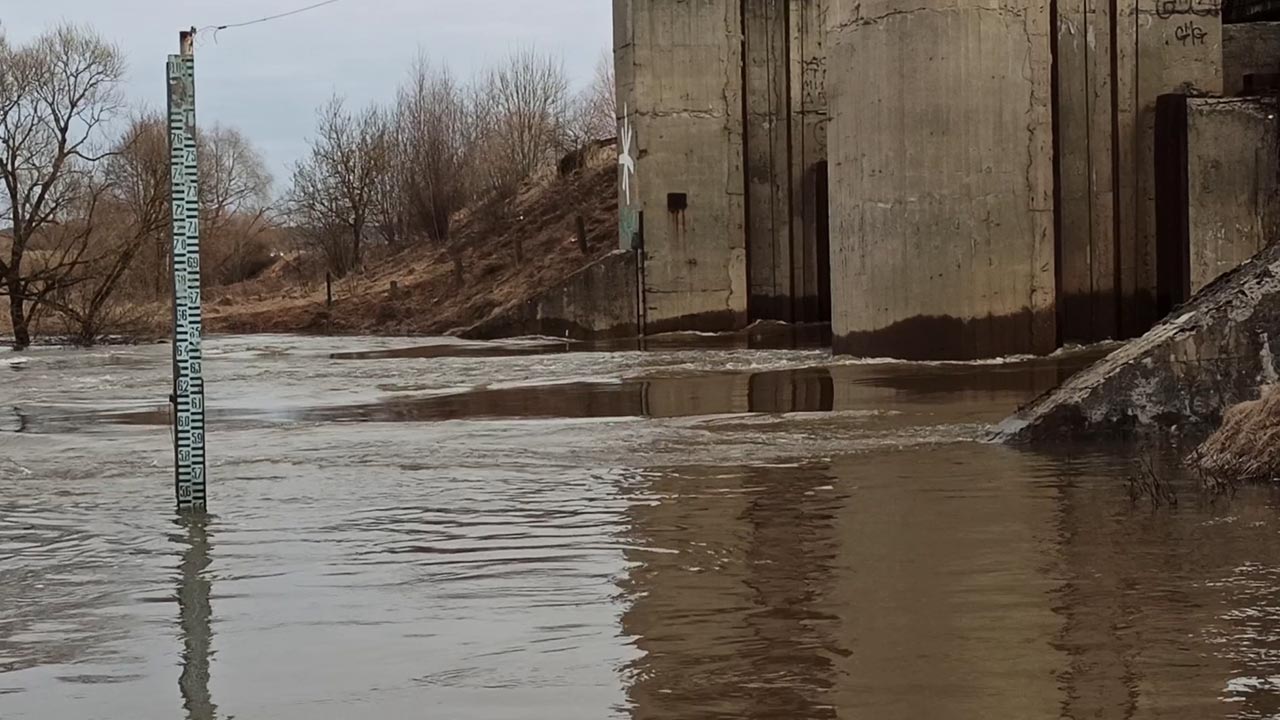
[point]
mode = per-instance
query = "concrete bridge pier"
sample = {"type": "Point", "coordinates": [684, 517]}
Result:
{"type": "Point", "coordinates": [679, 81]}
{"type": "Point", "coordinates": [724, 120]}
{"type": "Point", "coordinates": [941, 178]}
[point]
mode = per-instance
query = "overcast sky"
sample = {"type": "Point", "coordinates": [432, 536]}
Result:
{"type": "Point", "coordinates": [268, 79]}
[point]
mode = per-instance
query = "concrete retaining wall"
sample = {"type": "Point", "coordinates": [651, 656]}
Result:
{"type": "Point", "coordinates": [768, 157]}
{"type": "Point", "coordinates": [1179, 49]}
{"type": "Point", "coordinates": [941, 178]}
{"type": "Point", "coordinates": [598, 302]}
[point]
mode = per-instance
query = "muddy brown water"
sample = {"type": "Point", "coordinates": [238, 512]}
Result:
{"type": "Point", "coordinates": [432, 528]}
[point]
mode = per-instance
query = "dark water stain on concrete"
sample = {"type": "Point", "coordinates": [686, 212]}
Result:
{"type": "Point", "coordinates": [954, 338]}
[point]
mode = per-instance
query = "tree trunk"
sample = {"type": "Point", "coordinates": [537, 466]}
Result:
{"type": "Point", "coordinates": [356, 232]}
{"type": "Point", "coordinates": [161, 256]}
{"type": "Point", "coordinates": [17, 314]}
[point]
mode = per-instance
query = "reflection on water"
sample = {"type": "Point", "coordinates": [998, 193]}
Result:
{"type": "Point", "coordinates": [456, 350]}
{"type": "Point", "coordinates": [872, 588]}
{"type": "Point", "coordinates": [674, 534]}
{"type": "Point", "coordinates": [195, 617]}
{"type": "Point", "coordinates": [762, 336]}
{"type": "Point", "coordinates": [786, 391]}
{"type": "Point", "coordinates": [731, 619]}
{"type": "Point", "coordinates": [806, 389]}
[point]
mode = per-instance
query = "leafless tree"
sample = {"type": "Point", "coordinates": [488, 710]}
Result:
{"type": "Point", "coordinates": [138, 178]}
{"type": "Point", "coordinates": [594, 115]}
{"type": "Point", "coordinates": [334, 187]}
{"type": "Point", "coordinates": [235, 210]}
{"type": "Point", "coordinates": [436, 132]}
{"type": "Point", "coordinates": [523, 104]}
{"type": "Point", "coordinates": [132, 214]}
{"type": "Point", "coordinates": [56, 95]}
{"type": "Point", "coordinates": [233, 179]}
{"type": "Point", "coordinates": [390, 210]}
{"type": "Point", "coordinates": [234, 207]}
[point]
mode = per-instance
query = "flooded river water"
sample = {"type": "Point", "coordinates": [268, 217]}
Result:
{"type": "Point", "coordinates": [417, 528]}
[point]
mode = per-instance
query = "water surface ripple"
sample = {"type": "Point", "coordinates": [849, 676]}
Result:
{"type": "Point", "coordinates": [410, 528]}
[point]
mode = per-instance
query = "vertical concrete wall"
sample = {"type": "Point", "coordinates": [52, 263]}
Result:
{"type": "Point", "coordinates": [1113, 59]}
{"type": "Point", "coordinates": [785, 145]}
{"type": "Point", "coordinates": [1233, 156]}
{"type": "Point", "coordinates": [809, 203]}
{"type": "Point", "coordinates": [1179, 49]}
{"type": "Point", "coordinates": [1086, 189]}
{"type": "Point", "coordinates": [1120, 62]}
{"type": "Point", "coordinates": [767, 144]}
{"type": "Point", "coordinates": [600, 301]}
{"type": "Point", "coordinates": [942, 178]}
{"type": "Point", "coordinates": [1248, 49]}
{"type": "Point", "coordinates": [679, 90]}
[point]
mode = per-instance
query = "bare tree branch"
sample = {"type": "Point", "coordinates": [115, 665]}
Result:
{"type": "Point", "coordinates": [334, 187]}
{"type": "Point", "coordinates": [56, 94]}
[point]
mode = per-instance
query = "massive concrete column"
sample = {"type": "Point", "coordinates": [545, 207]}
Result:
{"type": "Point", "coordinates": [679, 76]}
{"type": "Point", "coordinates": [942, 178]}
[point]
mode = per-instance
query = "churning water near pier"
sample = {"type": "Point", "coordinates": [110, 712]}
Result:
{"type": "Point", "coordinates": [432, 528]}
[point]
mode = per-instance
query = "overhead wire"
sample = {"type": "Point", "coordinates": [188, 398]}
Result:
{"type": "Point", "coordinates": [219, 28]}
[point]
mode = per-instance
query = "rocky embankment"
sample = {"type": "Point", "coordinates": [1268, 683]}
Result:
{"type": "Point", "coordinates": [1215, 352]}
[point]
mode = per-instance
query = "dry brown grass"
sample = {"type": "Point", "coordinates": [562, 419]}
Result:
{"type": "Point", "coordinates": [289, 297]}
{"type": "Point", "coordinates": [428, 298]}
{"type": "Point", "coordinates": [1247, 446]}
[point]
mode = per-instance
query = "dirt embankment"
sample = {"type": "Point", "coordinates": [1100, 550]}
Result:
{"type": "Point", "coordinates": [507, 257]}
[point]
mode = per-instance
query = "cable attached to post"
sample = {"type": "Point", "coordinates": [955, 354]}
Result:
{"type": "Point", "coordinates": [218, 28]}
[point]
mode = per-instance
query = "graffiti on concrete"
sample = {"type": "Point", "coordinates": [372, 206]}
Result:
{"type": "Point", "coordinates": [1189, 33]}
{"type": "Point", "coordinates": [1166, 9]}
{"type": "Point", "coordinates": [814, 83]}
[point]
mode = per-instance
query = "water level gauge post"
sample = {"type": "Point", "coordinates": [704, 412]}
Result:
{"type": "Point", "coordinates": [188, 356]}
